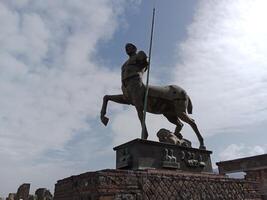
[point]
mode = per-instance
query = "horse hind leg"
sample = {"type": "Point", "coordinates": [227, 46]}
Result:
{"type": "Point", "coordinates": [179, 125]}
{"type": "Point", "coordinates": [183, 116]}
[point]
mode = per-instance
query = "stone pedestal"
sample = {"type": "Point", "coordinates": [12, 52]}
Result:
{"type": "Point", "coordinates": [153, 185]}
{"type": "Point", "coordinates": [144, 154]}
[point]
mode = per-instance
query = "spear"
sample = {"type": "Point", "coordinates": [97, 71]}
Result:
{"type": "Point", "coordinates": [148, 70]}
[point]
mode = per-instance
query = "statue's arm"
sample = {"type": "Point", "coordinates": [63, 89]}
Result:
{"type": "Point", "coordinates": [142, 60]}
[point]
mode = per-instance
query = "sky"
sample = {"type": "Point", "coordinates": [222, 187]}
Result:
{"type": "Point", "coordinates": [58, 59]}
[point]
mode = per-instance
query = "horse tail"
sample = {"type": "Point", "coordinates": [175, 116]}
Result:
{"type": "Point", "coordinates": [189, 106]}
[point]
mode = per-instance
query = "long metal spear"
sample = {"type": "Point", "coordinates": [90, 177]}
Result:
{"type": "Point", "coordinates": [147, 79]}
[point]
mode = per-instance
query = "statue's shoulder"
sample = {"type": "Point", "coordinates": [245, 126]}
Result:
{"type": "Point", "coordinates": [139, 58]}
{"type": "Point", "coordinates": [141, 55]}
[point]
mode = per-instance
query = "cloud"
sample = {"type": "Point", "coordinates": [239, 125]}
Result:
{"type": "Point", "coordinates": [51, 88]}
{"type": "Point", "coordinates": [234, 151]}
{"type": "Point", "coordinates": [222, 64]}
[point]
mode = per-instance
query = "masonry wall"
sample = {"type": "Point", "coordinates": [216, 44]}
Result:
{"type": "Point", "coordinates": [261, 177]}
{"type": "Point", "coordinates": [153, 184]}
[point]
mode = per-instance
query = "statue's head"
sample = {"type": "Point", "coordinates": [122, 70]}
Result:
{"type": "Point", "coordinates": [130, 49]}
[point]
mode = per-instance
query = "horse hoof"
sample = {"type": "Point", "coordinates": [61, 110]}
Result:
{"type": "Point", "coordinates": [104, 120]}
{"type": "Point", "coordinates": [203, 147]}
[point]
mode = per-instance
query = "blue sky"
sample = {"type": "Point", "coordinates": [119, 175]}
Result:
{"type": "Point", "coordinates": [171, 21]}
{"type": "Point", "coordinates": [58, 59]}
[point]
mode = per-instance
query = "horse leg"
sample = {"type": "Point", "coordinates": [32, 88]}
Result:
{"type": "Point", "coordinates": [183, 116]}
{"type": "Point", "coordinates": [140, 114]}
{"type": "Point", "coordinates": [179, 125]}
{"type": "Point", "coordinates": [115, 98]}
{"type": "Point", "coordinates": [136, 93]}
{"type": "Point", "coordinates": [138, 103]}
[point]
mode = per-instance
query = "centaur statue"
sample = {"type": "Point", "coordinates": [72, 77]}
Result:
{"type": "Point", "coordinates": [172, 101]}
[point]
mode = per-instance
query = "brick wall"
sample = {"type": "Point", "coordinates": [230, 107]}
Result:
{"type": "Point", "coordinates": [153, 184]}
{"type": "Point", "coordinates": [261, 177]}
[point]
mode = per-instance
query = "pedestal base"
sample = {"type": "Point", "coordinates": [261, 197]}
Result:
{"type": "Point", "coordinates": [145, 154]}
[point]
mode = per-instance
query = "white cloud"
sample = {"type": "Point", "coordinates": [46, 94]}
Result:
{"type": "Point", "coordinates": [222, 64]}
{"type": "Point", "coordinates": [50, 87]}
{"type": "Point", "coordinates": [235, 151]}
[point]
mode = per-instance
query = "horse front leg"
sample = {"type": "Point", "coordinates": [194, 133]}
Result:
{"type": "Point", "coordinates": [140, 114]}
{"type": "Point", "coordinates": [115, 98]}
{"type": "Point", "coordinates": [103, 118]}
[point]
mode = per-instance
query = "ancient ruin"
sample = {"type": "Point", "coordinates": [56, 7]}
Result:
{"type": "Point", "coordinates": [154, 184]}
{"type": "Point", "coordinates": [255, 168]}
{"type": "Point", "coordinates": [23, 193]}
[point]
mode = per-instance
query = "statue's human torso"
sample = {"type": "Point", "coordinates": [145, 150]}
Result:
{"type": "Point", "coordinates": [134, 66]}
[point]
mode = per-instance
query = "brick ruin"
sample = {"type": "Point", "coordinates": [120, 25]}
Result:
{"type": "Point", "coordinates": [255, 168]}
{"type": "Point", "coordinates": [23, 192]}
{"type": "Point", "coordinates": [160, 184]}
{"type": "Point", "coordinates": [154, 184]}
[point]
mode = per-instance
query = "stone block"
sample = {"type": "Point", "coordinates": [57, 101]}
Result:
{"type": "Point", "coordinates": [144, 154]}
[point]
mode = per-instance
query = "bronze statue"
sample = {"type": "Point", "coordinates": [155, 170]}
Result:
{"type": "Point", "coordinates": [172, 101]}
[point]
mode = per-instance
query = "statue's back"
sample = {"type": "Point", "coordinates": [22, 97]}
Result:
{"type": "Point", "coordinates": [169, 92]}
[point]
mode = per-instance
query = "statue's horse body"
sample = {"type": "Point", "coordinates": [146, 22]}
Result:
{"type": "Point", "coordinates": [172, 101]}
{"type": "Point", "coordinates": [169, 100]}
